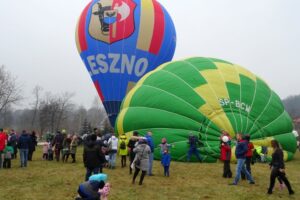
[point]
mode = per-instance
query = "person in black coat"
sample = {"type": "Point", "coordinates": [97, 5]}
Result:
{"type": "Point", "coordinates": [32, 145]}
{"type": "Point", "coordinates": [58, 144]}
{"type": "Point", "coordinates": [93, 157]}
{"type": "Point", "coordinates": [131, 145]}
{"type": "Point", "coordinates": [23, 145]}
{"type": "Point", "coordinates": [278, 168]}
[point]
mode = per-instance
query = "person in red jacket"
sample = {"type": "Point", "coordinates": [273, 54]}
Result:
{"type": "Point", "coordinates": [226, 156]}
{"type": "Point", "coordinates": [3, 140]}
{"type": "Point", "coordinates": [249, 155]}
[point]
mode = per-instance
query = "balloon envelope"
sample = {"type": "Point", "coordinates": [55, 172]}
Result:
{"type": "Point", "coordinates": [121, 40]}
{"type": "Point", "coordinates": [205, 96]}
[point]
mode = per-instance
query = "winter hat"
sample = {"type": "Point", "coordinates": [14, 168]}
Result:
{"type": "Point", "coordinates": [98, 177]}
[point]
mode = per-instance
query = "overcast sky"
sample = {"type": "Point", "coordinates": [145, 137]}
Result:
{"type": "Point", "coordinates": [37, 41]}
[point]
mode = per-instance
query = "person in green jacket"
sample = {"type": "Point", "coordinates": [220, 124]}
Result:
{"type": "Point", "coordinates": [8, 153]}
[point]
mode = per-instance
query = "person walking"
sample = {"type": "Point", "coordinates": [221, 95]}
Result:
{"type": "Point", "coordinates": [249, 155]}
{"type": "Point", "coordinates": [131, 145]}
{"type": "Point", "coordinates": [240, 153]}
{"type": "Point", "coordinates": [278, 168]}
{"type": "Point", "coordinates": [141, 160]}
{"type": "Point", "coordinates": [23, 145]}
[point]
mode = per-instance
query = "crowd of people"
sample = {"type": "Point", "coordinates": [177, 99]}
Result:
{"type": "Point", "coordinates": [244, 149]}
{"type": "Point", "coordinates": [101, 151]}
{"type": "Point", "coordinates": [10, 144]}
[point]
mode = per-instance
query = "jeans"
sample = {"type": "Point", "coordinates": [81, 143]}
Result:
{"type": "Point", "coordinates": [112, 159]}
{"type": "Point", "coordinates": [23, 157]}
{"type": "Point", "coordinates": [150, 163]}
{"type": "Point", "coordinates": [240, 167]}
{"type": "Point", "coordinates": [193, 150]}
{"type": "Point", "coordinates": [89, 172]}
{"type": "Point", "coordinates": [167, 170]}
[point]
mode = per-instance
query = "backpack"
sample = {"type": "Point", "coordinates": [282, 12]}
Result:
{"type": "Point", "coordinates": [123, 145]}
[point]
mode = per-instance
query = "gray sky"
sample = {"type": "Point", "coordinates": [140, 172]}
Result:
{"type": "Point", "coordinates": [37, 41]}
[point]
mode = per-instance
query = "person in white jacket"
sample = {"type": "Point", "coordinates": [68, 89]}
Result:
{"type": "Point", "coordinates": [113, 149]}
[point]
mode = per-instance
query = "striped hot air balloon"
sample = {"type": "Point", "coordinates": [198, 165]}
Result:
{"type": "Point", "coordinates": [204, 96]}
{"type": "Point", "coordinates": [121, 40]}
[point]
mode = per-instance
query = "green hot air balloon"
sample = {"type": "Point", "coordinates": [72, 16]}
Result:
{"type": "Point", "coordinates": [203, 96]}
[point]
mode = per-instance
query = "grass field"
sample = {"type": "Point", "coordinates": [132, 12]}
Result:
{"type": "Point", "coordinates": [46, 180]}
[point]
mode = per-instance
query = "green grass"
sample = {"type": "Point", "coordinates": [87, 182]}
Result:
{"type": "Point", "coordinates": [46, 180]}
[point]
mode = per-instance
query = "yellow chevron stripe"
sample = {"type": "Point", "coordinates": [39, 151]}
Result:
{"type": "Point", "coordinates": [121, 120]}
{"type": "Point", "coordinates": [245, 72]}
{"type": "Point", "coordinates": [229, 72]}
{"type": "Point", "coordinates": [146, 25]}
{"type": "Point", "coordinates": [211, 92]}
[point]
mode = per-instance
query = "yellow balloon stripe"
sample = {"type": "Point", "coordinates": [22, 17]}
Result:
{"type": "Point", "coordinates": [128, 98]}
{"type": "Point", "coordinates": [245, 72]}
{"type": "Point", "coordinates": [228, 72]}
{"type": "Point", "coordinates": [146, 25]}
{"type": "Point", "coordinates": [211, 92]}
{"type": "Point", "coordinates": [121, 120]}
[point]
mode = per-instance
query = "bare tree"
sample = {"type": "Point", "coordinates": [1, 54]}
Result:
{"type": "Point", "coordinates": [10, 92]}
{"type": "Point", "coordinates": [54, 111]}
{"type": "Point", "coordinates": [64, 103]}
{"type": "Point", "coordinates": [36, 93]}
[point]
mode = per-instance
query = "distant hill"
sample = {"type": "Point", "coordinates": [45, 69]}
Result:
{"type": "Point", "coordinates": [292, 105]}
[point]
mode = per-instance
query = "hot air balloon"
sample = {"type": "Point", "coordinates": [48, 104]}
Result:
{"type": "Point", "coordinates": [121, 40]}
{"type": "Point", "coordinates": [203, 97]}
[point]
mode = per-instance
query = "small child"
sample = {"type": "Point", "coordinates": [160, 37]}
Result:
{"type": "Point", "coordinates": [50, 151]}
{"type": "Point", "coordinates": [166, 161]}
{"type": "Point", "coordinates": [164, 145]}
{"type": "Point", "coordinates": [105, 191]}
{"type": "Point", "coordinates": [8, 152]}
{"type": "Point", "coordinates": [45, 151]}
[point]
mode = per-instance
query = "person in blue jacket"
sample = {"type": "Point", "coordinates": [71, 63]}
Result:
{"type": "Point", "coordinates": [151, 145]}
{"type": "Point", "coordinates": [166, 161]}
{"type": "Point", "coordinates": [23, 144]}
{"type": "Point", "coordinates": [240, 153]}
